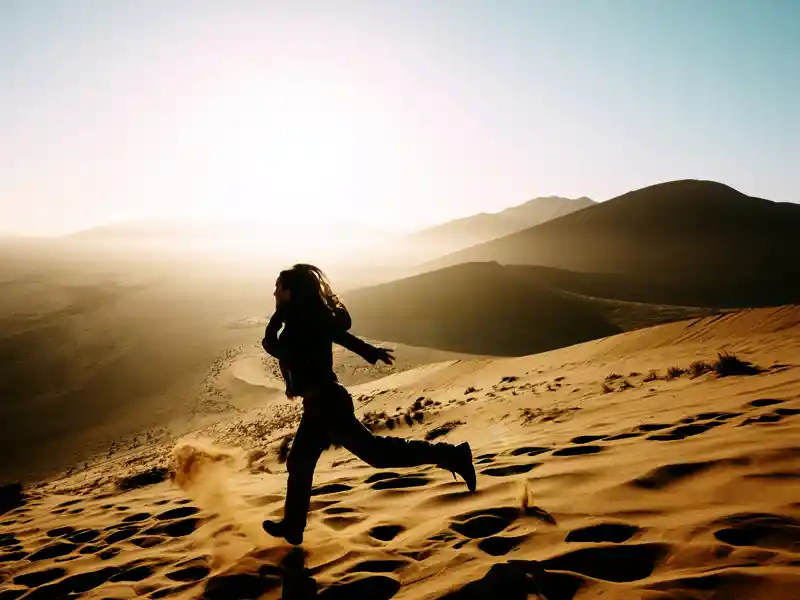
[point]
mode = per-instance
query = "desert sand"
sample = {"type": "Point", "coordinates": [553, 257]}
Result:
{"type": "Point", "coordinates": [600, 475]}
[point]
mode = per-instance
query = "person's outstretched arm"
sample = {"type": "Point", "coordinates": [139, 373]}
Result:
{"type": "Point", "coordinates": [270, 341]}
{"type": "Point", "coordinates": [371, 354]}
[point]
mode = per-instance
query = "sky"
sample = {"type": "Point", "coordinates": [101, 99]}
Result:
{"type": "Point", "coordinates": [384, 114]}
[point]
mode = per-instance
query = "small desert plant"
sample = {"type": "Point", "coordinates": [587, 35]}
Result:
{"type": "Point", "coordinates": [421, 403]}
{"type": "Point", "coordinates": [652, 375]}
{"type": "Point", "coordinates": [674, 372]}
{"type": "Point", "coordinates": [470, 390]}
{"type": "Point", "coordinates": [441, 430]}
{"type": "Point", "coordinates": [529, 414]}
{"type": "Point", "coordinates": [729, 364]}
{"type": "Point", "coordinates": [698, 368]}
{"type": "Point", "coordinates": [372, 419]}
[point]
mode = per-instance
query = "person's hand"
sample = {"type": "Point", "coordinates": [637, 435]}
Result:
{"type": "Point", "coordinates": [382, 354]}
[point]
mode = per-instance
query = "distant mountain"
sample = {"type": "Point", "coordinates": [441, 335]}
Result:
{"type": "Point", "coordinates": [682, 242]}
{"type": "Point", "coordinates": [468, 231]}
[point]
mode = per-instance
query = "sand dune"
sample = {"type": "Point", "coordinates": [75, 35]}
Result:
{"type": "Point", "coordinates": [684, 240]}
{"type": "Point", "coordinates": [600, 475]}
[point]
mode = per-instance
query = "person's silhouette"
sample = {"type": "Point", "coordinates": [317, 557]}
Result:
{"type": "Point", "coordinates": [313, 319]}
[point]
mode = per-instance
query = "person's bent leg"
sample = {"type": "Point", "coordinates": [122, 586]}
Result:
{"type": "Point", "coordinates": [386, 452]}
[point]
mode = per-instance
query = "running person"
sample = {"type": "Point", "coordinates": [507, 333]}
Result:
{"type": "Point", "coordinates": [313, 319]}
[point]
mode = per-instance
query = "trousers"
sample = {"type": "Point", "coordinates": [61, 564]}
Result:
{"type": "Point", "coordinates": [329, 418]}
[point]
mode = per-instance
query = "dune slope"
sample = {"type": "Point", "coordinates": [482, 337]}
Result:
{"type": "Point", "coordinates": [604, 471]}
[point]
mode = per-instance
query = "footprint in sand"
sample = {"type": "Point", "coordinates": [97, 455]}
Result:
{"type": "Point", "coordinates": [615, 563]}
{"type": "Point", "coordinates": [177, 513]}
{"type": "Point", "coordinates": [762, 402]}
{"type": "Point", "coordinates": [509, 470]}
{"type": "Point", "coordinates": [578, 450]}
{"type": "Point", "coordinates": [386, 533]}
{"type": "Point", "coordinates": [337, 510]}
{"type": "Point", "coordinates": [83, 536]}
{"type": "Point", "coordinates": [603, 532]}
{"type": "Point", "coordinates": [191, 570]}
{"type": "Point", "coordinates": [718, 416]}
{"type": "Point", "coordinates": [500, 545]}
{"type": "Point", "coordinates": [623, 436]}
{"type": "Point", "coordinates": [684, 431]}
{"type": "Point", "coordinates": [331, 488]}
{"type": "Point", "coordinates": [586, 439]}
{"type": "Point", "coordinates": [529, 450]}
{"type": "Point", "coordinates": [772, 417]}
{"type": "Point", "coordinates": [54, 550]}
{"type": "Point", "coordinates": [395, 481]}
{"type": "Point", "coordinates": [484, 523]}
{"type": "Point", "coordinates": [60, 532]}
{"type": "Point", "coordinates": [136, 517]}
{"type": "Point", "coordinates": [342, 522]}
{"type": "Point", "coordinates": [647, 427]}
{"type": "Point", "coordinates": [763, 530]}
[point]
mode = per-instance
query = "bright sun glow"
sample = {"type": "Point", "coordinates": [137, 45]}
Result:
{"type": "Point", "coordinates": [379, 115]}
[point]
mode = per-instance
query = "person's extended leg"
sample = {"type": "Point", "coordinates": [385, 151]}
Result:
{"type": "Point", "coordinates": [385, 452]}
{"type": "Point", "coordinates": [309, 442]}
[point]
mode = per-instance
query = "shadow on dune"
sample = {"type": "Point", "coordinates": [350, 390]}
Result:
{"type": "Point", "coordinates": [477, 308]}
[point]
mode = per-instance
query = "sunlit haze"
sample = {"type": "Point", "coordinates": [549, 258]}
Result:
{"type": "Point", "coordinates": [383, 115]}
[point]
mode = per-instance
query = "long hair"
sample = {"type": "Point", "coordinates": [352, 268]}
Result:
{"type": "Point", "coordinates": [311, 293]}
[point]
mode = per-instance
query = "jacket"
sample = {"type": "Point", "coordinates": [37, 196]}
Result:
{"type": "Point", "coordinates": [304, 348]}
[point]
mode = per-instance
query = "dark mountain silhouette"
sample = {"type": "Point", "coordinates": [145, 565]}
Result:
{"type": "Point", "coordinates": [468, 231]}
{"type": "Point", "coordinates": [480, 308]}
{"type": "Point", "coordinates": [682, 242]}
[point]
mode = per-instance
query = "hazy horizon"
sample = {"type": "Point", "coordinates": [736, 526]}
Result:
{"type": "Point", "coordinates": [393, 116]}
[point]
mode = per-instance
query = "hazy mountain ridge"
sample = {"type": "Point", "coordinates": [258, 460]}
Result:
{"type": "Point", "coordinates": [481, 227]}
{"type": "Point", "coordinates": [702, 242]}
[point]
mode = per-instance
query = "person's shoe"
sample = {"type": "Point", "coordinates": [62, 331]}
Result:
{"type": "Point", "coordinates": [461, 464]}
{"type": "Point", "coordinates": [278, 529]}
